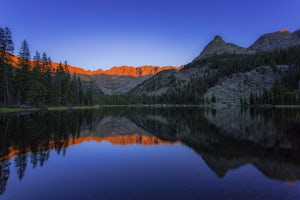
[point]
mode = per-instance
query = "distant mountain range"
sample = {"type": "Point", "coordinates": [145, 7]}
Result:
{"type": "Point", "coordinates": [116, 80]}
{"type": "Point", "coordinates": [114, 71]}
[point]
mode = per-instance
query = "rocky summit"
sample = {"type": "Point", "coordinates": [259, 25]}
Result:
{"type": "Point", "coordinates": [218, 46]}
{"type": "Point", "coordinates": [276, 40]}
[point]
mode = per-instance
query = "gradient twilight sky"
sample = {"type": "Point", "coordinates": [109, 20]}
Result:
{"type": "Point", "coordinates": [105, 33]}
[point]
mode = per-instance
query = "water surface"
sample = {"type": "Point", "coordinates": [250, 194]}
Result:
{"type": "Point", "coordinates": [139, 153]}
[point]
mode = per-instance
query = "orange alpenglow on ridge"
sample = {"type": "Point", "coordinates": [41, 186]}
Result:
{"type": "Point", "coordinates": [284, 30]}
{"type": "Point", "coordinates": [114, 71]}
{"type": "Point", "coordinates": [137, 71]}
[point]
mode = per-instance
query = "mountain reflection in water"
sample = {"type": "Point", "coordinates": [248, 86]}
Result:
{"type": "Point", "coordinates": [225, 139]}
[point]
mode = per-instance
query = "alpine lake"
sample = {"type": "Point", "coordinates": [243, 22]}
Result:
{"type": "Point", "coordinates": [151, 153]}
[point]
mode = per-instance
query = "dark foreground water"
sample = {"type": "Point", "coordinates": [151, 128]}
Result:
{"type": "Point", "coordinates": [134, 153]}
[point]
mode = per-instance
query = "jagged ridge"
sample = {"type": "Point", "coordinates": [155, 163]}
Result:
{"type": "Point", "coordinates": [115, 71]}
{"type": "Point", "coordinates": [218, 46]}
{"type": "Point", "coordinates": [276, 40]}
{"type": "Point", "coordinates": [267, 42]}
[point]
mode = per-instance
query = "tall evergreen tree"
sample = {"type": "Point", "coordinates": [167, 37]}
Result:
{"type": "Point", "coordinates": [6, 48]}
{"type": "Point", "coordinates": [46, 73]}
{"type": "Point", "coordinates": [58, 84]}
{"type": "Point", "coordinates": [8, 40]}
{"type": "Point", "coordinates": [44, 63]}
{"type": "Point", "coordinates": [2, 63]}
{"type": "Point", "coordinates": [49, 66]}
{"type": "Point", "coordinates": [37, 61]}
{"type": "Point", "coordinates": [66, 67]}
{"type": "Point", "coordinates": [66, 84]}
{"type": "Point", "coordinates": [37, 92]}
{"type": "Point", "coordinates": [23, 76]}
{"type": "Point", "coordinates": [49, 81]}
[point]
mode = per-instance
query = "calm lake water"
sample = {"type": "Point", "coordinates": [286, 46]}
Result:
{"type": "Point", "coordinates": [139, 153]}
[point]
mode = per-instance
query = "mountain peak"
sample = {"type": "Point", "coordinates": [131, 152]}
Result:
{"type": "Point", "coordinates": [218, 38]}
{"type": "Point", "coordinates": [218, 46]}
{"type": "Point", "coordinates": [276, 40]}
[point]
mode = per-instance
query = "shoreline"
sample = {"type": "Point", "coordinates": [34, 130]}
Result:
{"type": "Point", "coordinates": [4, 110]}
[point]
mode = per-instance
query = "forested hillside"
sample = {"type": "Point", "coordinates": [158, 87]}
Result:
{"type": "Point", "coordinates": [37, 83]}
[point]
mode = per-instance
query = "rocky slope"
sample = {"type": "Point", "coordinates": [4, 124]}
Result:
{"type": "Point", "coordinates": [231, 89]}
{"type": "Point", "coordinates": [112, 84]}
{"type": "Point", "coordinates": [159, 83]}
{"type": "Point", "coordinates": [168, 80]}
{"type": "Point", "coordinates": [120, 80]}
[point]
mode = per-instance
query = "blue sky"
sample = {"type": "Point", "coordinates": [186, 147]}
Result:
{"type": "Point", "coordinates": [105, 33]}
